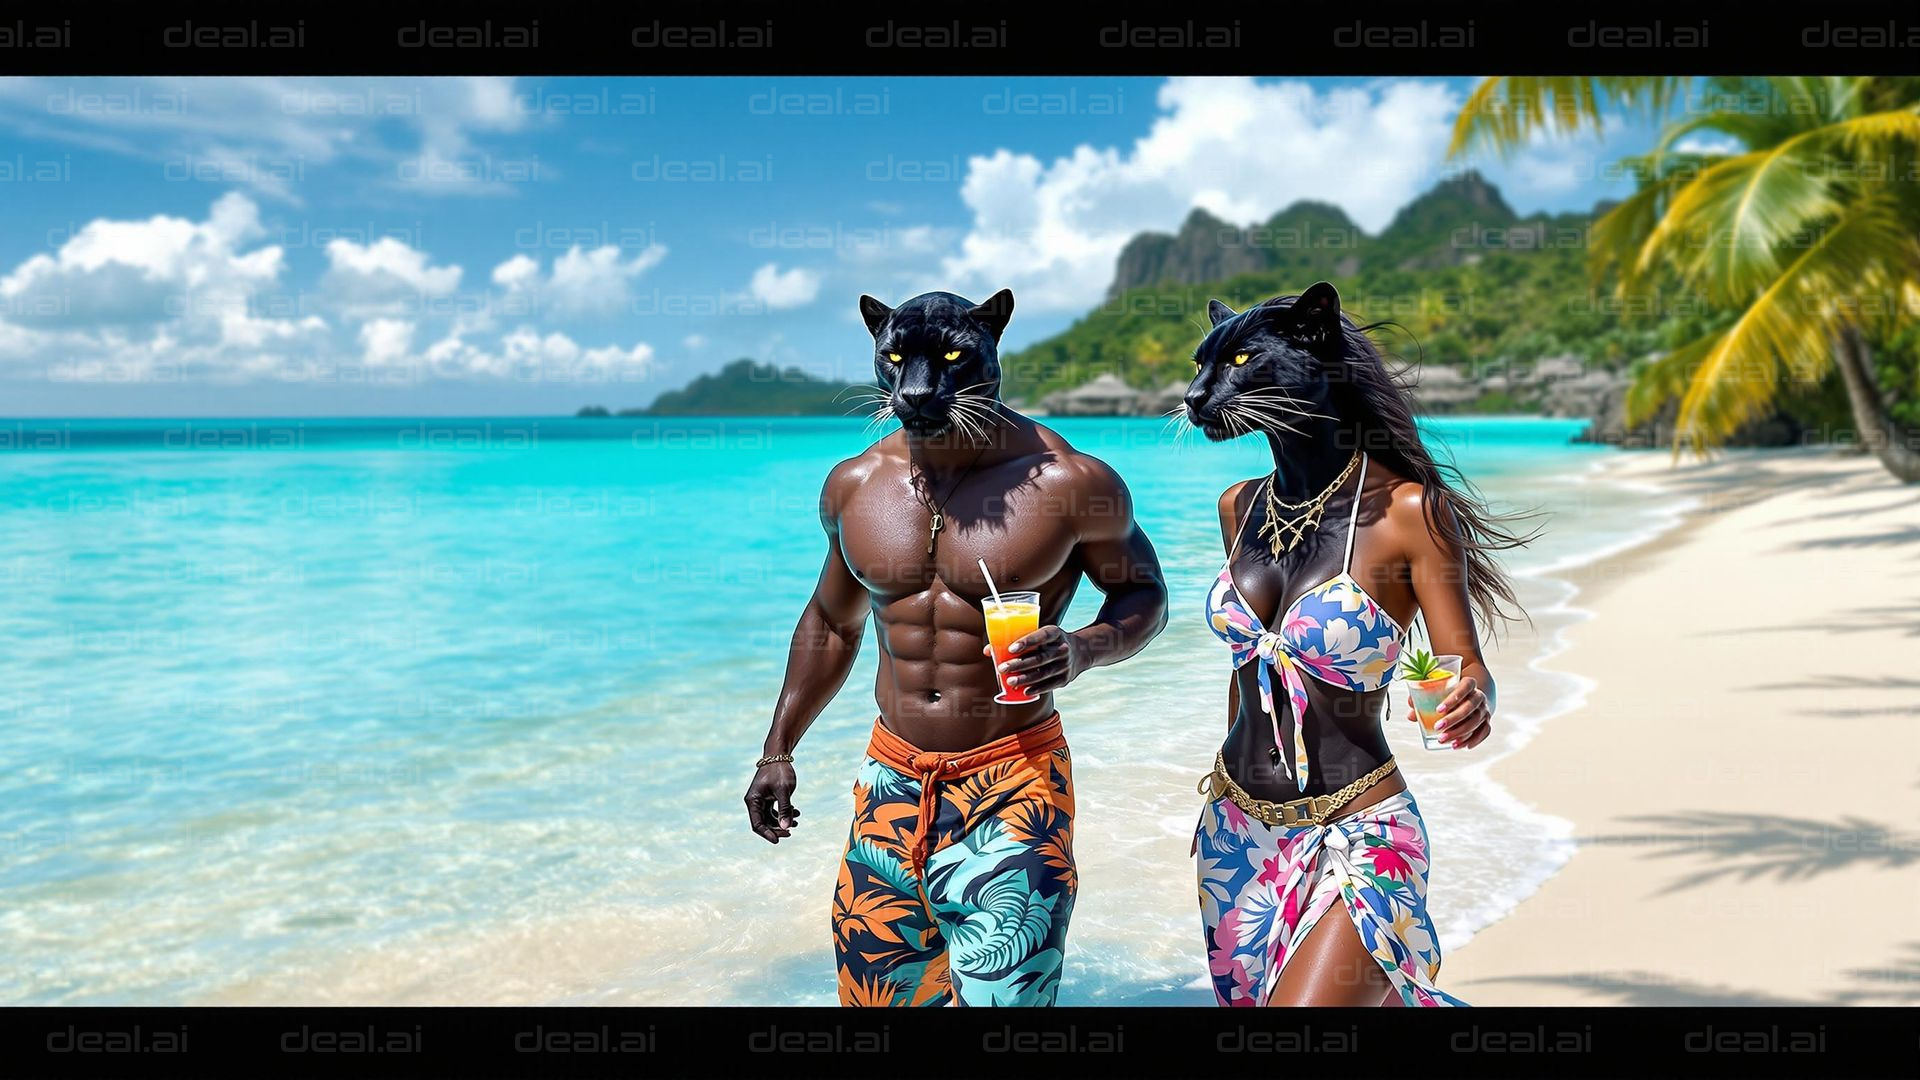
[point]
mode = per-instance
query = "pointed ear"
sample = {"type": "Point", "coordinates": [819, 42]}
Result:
{"type": "Point", "coordinates": [1318, 309]}
{"type": "Point", "coordinates": [996, 312]}
{"type": "Point", "coordinates": [1219, 312]}
{"type": "Point", "coordinates": [874, 312]}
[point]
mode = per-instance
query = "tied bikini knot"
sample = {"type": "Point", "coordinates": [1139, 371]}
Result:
{"type": "Point", "coordinates": [1269, 645]}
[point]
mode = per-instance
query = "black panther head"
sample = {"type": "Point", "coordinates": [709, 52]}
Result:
{"type": "Point", "coordinates": [1263, 367]}
{"type": "Point", "coordinates": [938, 356]}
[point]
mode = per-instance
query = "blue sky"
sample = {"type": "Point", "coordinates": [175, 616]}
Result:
{"type": "Point", "coordinates": [518, 246]}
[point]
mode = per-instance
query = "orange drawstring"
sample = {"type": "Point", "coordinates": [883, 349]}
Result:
{"type": "Point", "coordinates": [929, 766]}
{"type": "Point", "coordinates": [899, 754]}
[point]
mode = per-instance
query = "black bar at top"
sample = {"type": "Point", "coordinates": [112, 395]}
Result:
{"type": "Point", "coordinates": [1074, 37]}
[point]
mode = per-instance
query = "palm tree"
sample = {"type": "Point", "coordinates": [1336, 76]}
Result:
{"type": "Point", "coordinates": [1795, 227]}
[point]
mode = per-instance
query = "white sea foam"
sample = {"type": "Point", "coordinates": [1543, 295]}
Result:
{"type": "Point", "coordinates": [1531, 844]}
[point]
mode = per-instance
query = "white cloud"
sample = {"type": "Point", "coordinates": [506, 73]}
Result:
{"type": "Point", "coordinates": [1550, 164]}
{"type": "Point", "coordinates": [271, 134]}
{"type": "Point", "coordinates": [582, 281]}
{"type": "Point", "coordinates": [386, 341]}
{"type": "Point", "coordinates": [897, 248]}
{"type": "Point", "coordinates": [1235, 147]}
{"type": "Point", "coordinates": [780, 289]}
{"type": "Point", "coordinates": [518, 272]}
{"type": "Point", "coordinates": [527, 354]}
{"type": "Point", "coordinates": [694, 342]}
{"type": "Point", "coordinates": [125, 299]}
{"type": "Point", "coordinates": [1697, 144]}
{"type": "Point", "coordinates": [891, 262]}
{"type": "Point", "coordinates": [138, 273]}
{"type": "Point", "coordinates": [388, 275]}
{"type": "Point", "coordinates": [172, 298]}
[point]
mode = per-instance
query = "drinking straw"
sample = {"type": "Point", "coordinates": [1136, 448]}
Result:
{"type": "Point", "coordinates": [991, 587]}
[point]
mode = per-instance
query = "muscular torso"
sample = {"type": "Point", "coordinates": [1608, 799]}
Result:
{"type": "Point", "coordinates": [1344, 737]}
{"type": "Point", "coordinates": [935, 688]}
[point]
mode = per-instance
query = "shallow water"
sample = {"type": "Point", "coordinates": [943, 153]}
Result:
{"type": "Point", "coordinates": [462, 711]}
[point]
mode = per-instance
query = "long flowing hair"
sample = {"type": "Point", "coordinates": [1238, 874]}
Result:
{"type": "Point", "coordinates": [1376, 401]}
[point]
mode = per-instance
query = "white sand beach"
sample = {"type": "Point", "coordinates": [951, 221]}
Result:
{"type": "Point", "coordinates": [1743, 780]}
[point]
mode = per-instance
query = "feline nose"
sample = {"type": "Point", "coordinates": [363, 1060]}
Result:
{"type": "Point", "coordinates": [915, 398]}
{"type": "Point", "coordinates": [1195, 399]}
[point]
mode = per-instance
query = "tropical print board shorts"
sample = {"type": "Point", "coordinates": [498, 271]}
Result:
{"type": "Point", "coordinates": [958, 879]}
{"type": "Point", "coordinates": [1263, 888]}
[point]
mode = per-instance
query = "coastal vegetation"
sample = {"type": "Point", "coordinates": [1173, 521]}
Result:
{"type": "Point", "coordinates": [1468, 284]}
{"type": "Point", "coordinates": [1785, 209]}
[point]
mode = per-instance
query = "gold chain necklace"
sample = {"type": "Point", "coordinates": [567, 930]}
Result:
{"type": "Point", "coordinates": [1282, 535]}
{"type": "Point", "coordinates": [939, 520]}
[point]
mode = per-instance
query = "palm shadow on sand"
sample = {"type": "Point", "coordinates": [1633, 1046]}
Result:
{"type": "Point", "coordinates": [1725, 849]}
{"type": "Point", "coordinates": [1896, 984]}
{"type": "Point", "coordinates": [1729, 847]}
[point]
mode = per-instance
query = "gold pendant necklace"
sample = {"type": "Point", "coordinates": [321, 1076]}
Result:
{"type": "Point", "coordinates": [939, 519]}
{"type": "Point", "coordinates": [1283, 535]}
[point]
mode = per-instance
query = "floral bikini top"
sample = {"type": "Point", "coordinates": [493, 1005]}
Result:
{"type": "Point", "coordinates": [1335, 632]}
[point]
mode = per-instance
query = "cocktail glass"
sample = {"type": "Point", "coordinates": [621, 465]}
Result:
{"type": "Point", "coordinates": [1427, 696]}
{"type": "Point", "coordinates": [1012, 617]}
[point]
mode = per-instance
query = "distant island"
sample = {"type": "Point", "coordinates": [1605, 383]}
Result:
{"type": "Point", "coordinates": [746, 387]}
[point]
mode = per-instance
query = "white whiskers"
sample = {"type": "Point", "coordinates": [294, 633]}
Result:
{"type": "Point", "coordinates": [975, 413]}
{"type": "Point", "coordinates": [1178, 423]}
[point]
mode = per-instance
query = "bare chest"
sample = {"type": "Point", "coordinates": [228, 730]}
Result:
{"type": "Point", "coordinates": [897, 548]}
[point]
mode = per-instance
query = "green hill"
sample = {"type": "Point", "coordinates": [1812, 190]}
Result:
{"type": "Point", "coordinates": [747, 388]}
{"type": "Point", "coordinates": [1443, 227]}
{"type": "Point", "coordinates": [1474, 284]}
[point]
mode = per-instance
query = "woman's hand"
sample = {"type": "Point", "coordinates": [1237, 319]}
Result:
{"type": "Point", "coordinates": [1439, 573]}
{"type": "Point", "coordinates": [1466, 715]}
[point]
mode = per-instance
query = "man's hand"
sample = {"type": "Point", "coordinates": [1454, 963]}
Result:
{"type": "Point", "coordinates": [1043, 661]}
{"type": "Point", "coordinates": [770, 806]}
{"type": "Point", "coordinates": [1466, 716]}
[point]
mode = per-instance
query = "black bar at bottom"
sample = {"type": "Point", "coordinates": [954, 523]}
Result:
{"type": "Point", "coordinates": [956, 1042]}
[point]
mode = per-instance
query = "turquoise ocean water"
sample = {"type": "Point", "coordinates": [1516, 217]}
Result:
{"type": "Point", "coordinates": [462, 711]}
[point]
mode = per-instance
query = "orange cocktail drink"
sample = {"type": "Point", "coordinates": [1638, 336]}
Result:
{"type": "Point", "coordinates": [1010, 618]}
{"type": "Point", "coordinates": [1426, 696]}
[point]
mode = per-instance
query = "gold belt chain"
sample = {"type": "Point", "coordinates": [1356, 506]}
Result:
{"type": "Point", "coordinates": [1312, 810]}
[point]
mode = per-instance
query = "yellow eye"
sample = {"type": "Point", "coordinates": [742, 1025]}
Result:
{"type": "Point", "coordinates": [954, 355]}
{"type": "Point", "coordinates": [894, 356]}
{"type": "Point", "coordinates": [1240, 360]}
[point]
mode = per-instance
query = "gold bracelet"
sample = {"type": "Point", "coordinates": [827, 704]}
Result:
{"type": "Point", "coordinates": [770, 759]}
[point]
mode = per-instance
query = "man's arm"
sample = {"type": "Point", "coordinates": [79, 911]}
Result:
{"type": "Point", "coordinates": [820, 655]}
{"type": "Point", "coordinates": [1118, 558]}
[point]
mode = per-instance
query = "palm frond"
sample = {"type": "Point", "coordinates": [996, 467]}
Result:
{"type": "Point", "coordinates": [1504, 112]}
{"type": "Point", "coordinates": [1876, 134]}
{"type": "Point", "coordinates": [1790, 327]}
{"type": "Point", "coordinates": [1616, 239]}
{"type": "Point", "coordinates": [1728, 232]}
{"type": "Point", "coordinates": [1664, 379]}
